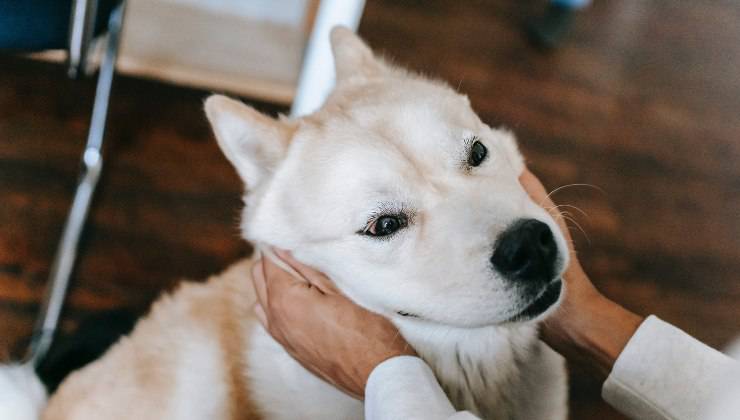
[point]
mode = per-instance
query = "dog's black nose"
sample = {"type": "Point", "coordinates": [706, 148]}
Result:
{"type": "Point", "coordinates": [526, 251]}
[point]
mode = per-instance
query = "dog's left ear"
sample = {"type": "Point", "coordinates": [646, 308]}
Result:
{"type": "Point", "coordinates": [353, 58]}
{"type": "Point", "coordinates": [254, 143]}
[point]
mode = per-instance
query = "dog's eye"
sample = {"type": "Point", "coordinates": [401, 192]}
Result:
{"type": "Point", "coordinates": [478, 154]}
{"type": "Point", "coordinates": [386, 225]}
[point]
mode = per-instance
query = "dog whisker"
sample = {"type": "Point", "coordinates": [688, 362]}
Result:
{"type": "Point", "coordinates": [566, 216]}
{"type": "Point", "coordinates": [572, 220]}
{"type": "Point", "coordinates": [570, 206]}
{"type": "Point", "coordinates": [562, 187]}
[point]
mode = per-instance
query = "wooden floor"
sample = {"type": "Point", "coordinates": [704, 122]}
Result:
{"type": "Point", "coordinates": [643, 102]}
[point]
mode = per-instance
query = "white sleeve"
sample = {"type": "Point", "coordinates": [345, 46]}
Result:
{"type": "Point", "coordinates": [665, 374]}
{"type": "Point", "coordinates": [404, 388]}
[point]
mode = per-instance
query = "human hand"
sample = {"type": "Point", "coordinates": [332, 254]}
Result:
{"type": "Point", "coordinates": [587, 327]}
{"type": "Point", "coordinates": [324, 331]}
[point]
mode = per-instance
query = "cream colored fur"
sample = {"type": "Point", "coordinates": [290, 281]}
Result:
{"type": "Point", "coordinates": [385, 141]}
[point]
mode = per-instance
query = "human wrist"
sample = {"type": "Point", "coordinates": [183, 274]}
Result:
{"type": "Point", "coordinates": [589, 329]}
{"type": "Point", "coordinates": [400, 350]}
{"type": "Point", "coordinates": [600, 334]}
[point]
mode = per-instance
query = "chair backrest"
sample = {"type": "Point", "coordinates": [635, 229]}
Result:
{"type": "Point", "coordinates": [34, 25]}
{"type": "Point", "coordinates": [37, 25]}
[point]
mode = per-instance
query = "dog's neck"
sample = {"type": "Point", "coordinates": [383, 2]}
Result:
{"type": "Point", "coordinates": [475, 366]}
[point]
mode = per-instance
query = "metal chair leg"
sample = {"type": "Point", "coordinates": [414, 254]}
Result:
{"type": "Point", "coordinates": [81, 28]}
{"type": "Point", "coordinates": [317, 71]}
{"type": "Point", "coordinates": [92, 164]}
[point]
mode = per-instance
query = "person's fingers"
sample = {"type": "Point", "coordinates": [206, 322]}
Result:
{"type": "Point", "coordinates": [316, 278]}
{"type": "Point", "coordinates": [538, 193]}
{"type": "Point", "coordinates": [258, 279]}
{"type": "Point", "coordinates": [305, 271]}
{"type": "Point", "coordinates": [278, 279]}
{"type": "Point", "coordinates": [534, 188]}
{"type": "Point", "coordinates": [259, 311]}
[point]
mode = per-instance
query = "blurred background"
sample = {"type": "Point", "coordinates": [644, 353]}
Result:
{"type": "Point", "coordinates": [638, 98]}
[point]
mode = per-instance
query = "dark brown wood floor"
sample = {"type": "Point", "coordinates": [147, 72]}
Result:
{"type": "Point", "coordinates": [643, 102]}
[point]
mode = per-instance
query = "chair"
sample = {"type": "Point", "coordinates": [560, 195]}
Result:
{"type": "Point", "coordinates": [34, 25]}
{"type": "Point", "coordinates": [316, 79]}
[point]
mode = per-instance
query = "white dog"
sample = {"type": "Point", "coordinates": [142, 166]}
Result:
{"type": "Point", "coordinates": [412, 205]}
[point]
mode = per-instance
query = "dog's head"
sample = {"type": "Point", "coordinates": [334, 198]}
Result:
{"type": "Point", "coordinates": [399, 192]}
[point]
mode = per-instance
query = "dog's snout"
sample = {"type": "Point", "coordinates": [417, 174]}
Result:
{"type": "Point", "coordinates": [526, 251]}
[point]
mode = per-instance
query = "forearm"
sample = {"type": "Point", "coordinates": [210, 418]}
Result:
{"type": "Point", "coordinates": [600, 338]}
{"type": "Point", "coordinates": [405, 388]}
{"type": "Point", "coordinates": [590, 329]}
{"type": "Point", "coordinates": [664, 373]}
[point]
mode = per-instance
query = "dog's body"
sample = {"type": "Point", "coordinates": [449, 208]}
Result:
{"type": "Point", "coordinates": [201, 355]}
{"type": "Point", "coordinates": [390, 190]}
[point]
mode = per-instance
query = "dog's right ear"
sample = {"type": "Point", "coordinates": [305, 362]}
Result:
{"type": "Point", "coordinates": [253, 142]}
